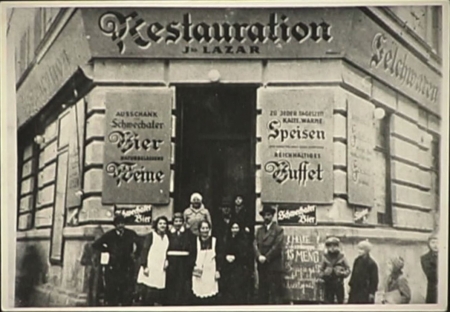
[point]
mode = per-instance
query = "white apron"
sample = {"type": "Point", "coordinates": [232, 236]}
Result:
{"type": "Point", "coordinates": [206, 285]}
{"type": "Point", "coordinates": [155, 262]}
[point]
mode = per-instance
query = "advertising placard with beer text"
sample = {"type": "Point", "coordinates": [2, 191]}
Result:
{"type": "Point", "coordinates": [296, 128]}
{"type": "Point", "coordinates": [360, 150]}
{"type": "Point", "coordinates": [137, 147]}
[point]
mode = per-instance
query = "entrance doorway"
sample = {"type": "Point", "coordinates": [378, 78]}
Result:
{"type": "Point", "coordinates": [215, 147]}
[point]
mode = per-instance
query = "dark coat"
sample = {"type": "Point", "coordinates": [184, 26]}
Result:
{"type": "Point", "coordinates": [364, 280]}
{"type": "Point", "coordinates": [121, 249]}
{"type": "Point", "coordinates": [429, 262]}
{"type": "Point", "coordinates": [270, 244]}
{"type": "Point", "coordinates": [334, 267]}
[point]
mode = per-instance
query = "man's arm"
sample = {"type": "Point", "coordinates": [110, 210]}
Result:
{"type": "Point", "coordinates": [101, 241]}
{"type": "Point", "coordinates": [275, 250]}
{"type": "Point", "coordinates": [255, 246]}
{"type": "Point", "coordinates": [373, 284]}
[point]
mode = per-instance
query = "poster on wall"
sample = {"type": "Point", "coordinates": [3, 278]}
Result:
{"type": "Point", "coordinates": [360, 151]}
{"type": "Point", "coordinates": [136, 166]}
{"type": "Point", "coordinates": [296, 128]}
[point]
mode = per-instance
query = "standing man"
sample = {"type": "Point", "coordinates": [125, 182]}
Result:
{"type": "Point", "coordinates": [429, 263]}
{"type": "Point", "coordinates": [364, 280]}
{"type": "Point", "coordinates": [121, 245]}
{"type": "Point", "coordinates": [268, 247]}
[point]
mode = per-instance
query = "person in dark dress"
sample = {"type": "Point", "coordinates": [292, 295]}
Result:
{"type": "Point", "coordinates": [177, 272]}
{"type": "Point", "coordinates": [268, 247]}
{"type": "Point", "coordinates": [429, 262]}
{"type": "Point", "coordinates": [123, 246]}
{"type": "Point", "coordinates": [364, 280]}
{"type": "Point", "coordinates": [236, 266]}
{"type": "Point", "coordinates": [241, 216]}
{"type": "Point", "coordinates": [333, 270]}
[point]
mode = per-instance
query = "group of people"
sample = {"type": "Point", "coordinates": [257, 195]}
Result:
{"type": "Point", "coordinates": [363, 282]}
{"type": "Point", "coordinates": [192, 261]}
{"type": "Point", "coordinates": [196, 262]}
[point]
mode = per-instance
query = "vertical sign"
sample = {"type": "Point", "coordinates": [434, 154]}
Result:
{"type": "Point", "coordinates": [137, 147]}
{"type": "Point", "coordinates": [360, 147]}
{"type": "Point", "coordinates": [296, 126]}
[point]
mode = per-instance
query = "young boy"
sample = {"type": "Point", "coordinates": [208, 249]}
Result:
{"type": "Point", "coordinates": [177, 255]}
{"type": "Point", "coordinates": [364, 280]}
{"type": "Point", "coordinates": [333, 270]}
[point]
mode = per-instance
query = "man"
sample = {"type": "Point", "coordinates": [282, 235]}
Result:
{"type": "Point", "coordinates": [196, 213]}
{"type": "Point", "coordinates": [121, 245]}
{"type": "Point", "coordinates": [241, 215]}
{"type": "Point", "coordinates": [429, 262]}
{"type": "Point", "coordinates": [177, 255]}
{"type": "Point", "coordinates": [222, 225]}
{"type": "Point", "coordinates": [268, 245]}
{"type": "Point", "coordinates": [364, 280]}
{"type": "Point", "coordinates": [333, 270]}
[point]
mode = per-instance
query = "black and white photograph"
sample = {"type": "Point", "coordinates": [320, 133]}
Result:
{"type": "Point", "coordinates": [224, 155]}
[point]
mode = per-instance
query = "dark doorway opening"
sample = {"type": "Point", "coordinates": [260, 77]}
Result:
{"type": "Point", "coordinates": [215, 146]}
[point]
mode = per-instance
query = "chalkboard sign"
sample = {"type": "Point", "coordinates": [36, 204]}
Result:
{"type": "Point", "coordinates": [302, 258]}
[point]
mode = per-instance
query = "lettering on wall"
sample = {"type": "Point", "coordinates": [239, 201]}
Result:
{"type": "Point", "coordinates": [141, 214]}
{"type": "Point", "coordinates": [386, 56]}
{"type": "Point", "coordinates": [137, 147]}
{"type": "Point", "coordinates": [294, 214]}
{"type": "Point", "coordinates": [297, 135]}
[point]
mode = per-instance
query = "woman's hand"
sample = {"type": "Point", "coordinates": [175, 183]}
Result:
{"type": "Point", "coordinates": [146, 271]}
{"type": "Point", "coordinates": [217, 276]}
{"type": "Point", "coordinates": [230, 258]}
{"type": "Point", "coordinates": [166, 264]}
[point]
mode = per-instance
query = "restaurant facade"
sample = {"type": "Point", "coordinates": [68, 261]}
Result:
{"type": "Point", "coordinates": [330, 115]}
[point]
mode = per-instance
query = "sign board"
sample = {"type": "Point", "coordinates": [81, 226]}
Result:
{"type": "Point", "coordinates": [139, 215]}
{"type": "Point", "coordinates": [360, 151]}
{"type": "Point", "coordinates": [302, 257]}
{"type": "Point", "coordinates": [296, 127]}
{"type": "Point", "coordinates": [295, 214]}
{"type": "Point", "coordinates": [137, 147]}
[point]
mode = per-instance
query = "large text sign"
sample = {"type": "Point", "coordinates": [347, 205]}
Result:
{"type": "Point", "coordinates": [296, 130]}
{"type": "Point", "coordinates": [137, 147]}
{"type": "Point", "coordinates": [360, 150]}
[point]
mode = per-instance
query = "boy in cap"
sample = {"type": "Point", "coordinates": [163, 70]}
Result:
{"type": "Point", "coordinates": [429, 262]}
{"type": "Point", "coordinates": [364, 280]}
{"type": "Point", "coordinates": [268, 247]}
{"type": "Point", "coordinates": [177, 256]}
{"type": "Point", "coordinates": [122, 245]}
{"type": "Point", "coordinates": [397, 289]}
{"type": "Point", "coordinates": [333, 269]}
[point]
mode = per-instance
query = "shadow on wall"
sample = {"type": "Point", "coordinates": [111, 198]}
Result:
{"type": "Point", "coordinates": [32, 271]}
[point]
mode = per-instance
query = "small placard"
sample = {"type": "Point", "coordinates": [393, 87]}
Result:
{"type": "Point", "coordinates": [141, 214]}
{"type": "Point", "coordinates": [294, 214]}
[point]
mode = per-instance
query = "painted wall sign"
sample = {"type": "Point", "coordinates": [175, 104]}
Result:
{"type": "Point", "coordinates": [61, 61]}
{"type": "Point", "coordinates": [302, 257]}
{"type": "Point", "coordinates": [141, 214]}
{"type": "Point", "coordinates": [296, 128]}
{"type": "Point", "coordinates": [137, 147]}
{"type": "Point", "coordinates": [213, 32]}
{"type": "Point", "coordinates": [294, 214]}
{"type": "Point", "coordinates": [384, 56]}
{"type": "Point", "coordinates": [360, 151]}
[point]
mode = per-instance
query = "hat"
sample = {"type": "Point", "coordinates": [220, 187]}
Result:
{"type": "Point", "coordinates": [178, 215]}
{"type": "Point", "coordinates": [397, 263]}
{"type": "Point", "coordinates": [332, 240]}
{"type": "Point", "coordinates": [365, 245]}
{"type": "Point", "coordinates": [267, 209]}
{"type": "Point", "coordinates": [196, 198]}
{"type": "Point", "coordinates": [119, 218]}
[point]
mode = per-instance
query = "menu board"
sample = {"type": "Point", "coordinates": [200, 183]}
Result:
{"type": "Point", "coordinates": [137, 147]}
{"type": "Point", "coordinates": [302, 257]}
{"type": "Point", "coordinates": [296, 127]}
{"type": "Point", "coordinates": [360, 151]}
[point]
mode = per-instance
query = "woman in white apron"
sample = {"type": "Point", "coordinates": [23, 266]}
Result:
{"type": "Point", "coordinates": [152, 273]}
{"type": "Point", "coordinates": [206, 260]}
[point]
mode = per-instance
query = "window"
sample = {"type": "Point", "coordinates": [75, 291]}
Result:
{"type": "Point", "coordinates": [382, 205]}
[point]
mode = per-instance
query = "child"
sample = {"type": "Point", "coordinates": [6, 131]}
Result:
{"type": "Point", "coordinates": [333, 270]}
{"type": "Point", "coordinates": [364, 280]}
{"type": "Point", "coordinates": [396, 289]}
{"type": "Point", "coordinates": [177, 254]}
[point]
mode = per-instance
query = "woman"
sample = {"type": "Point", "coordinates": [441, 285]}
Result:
{"type": "Point", "coordinates": [196, 213]}
{"type": "Point", "coordinates": [397, 290]}
{"type": "Point", "coordinates": [154, 263]}
{"type": "Point", "coordinates": [237, 266]}
{"type": "Point", "coordinates": [205, 261]}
